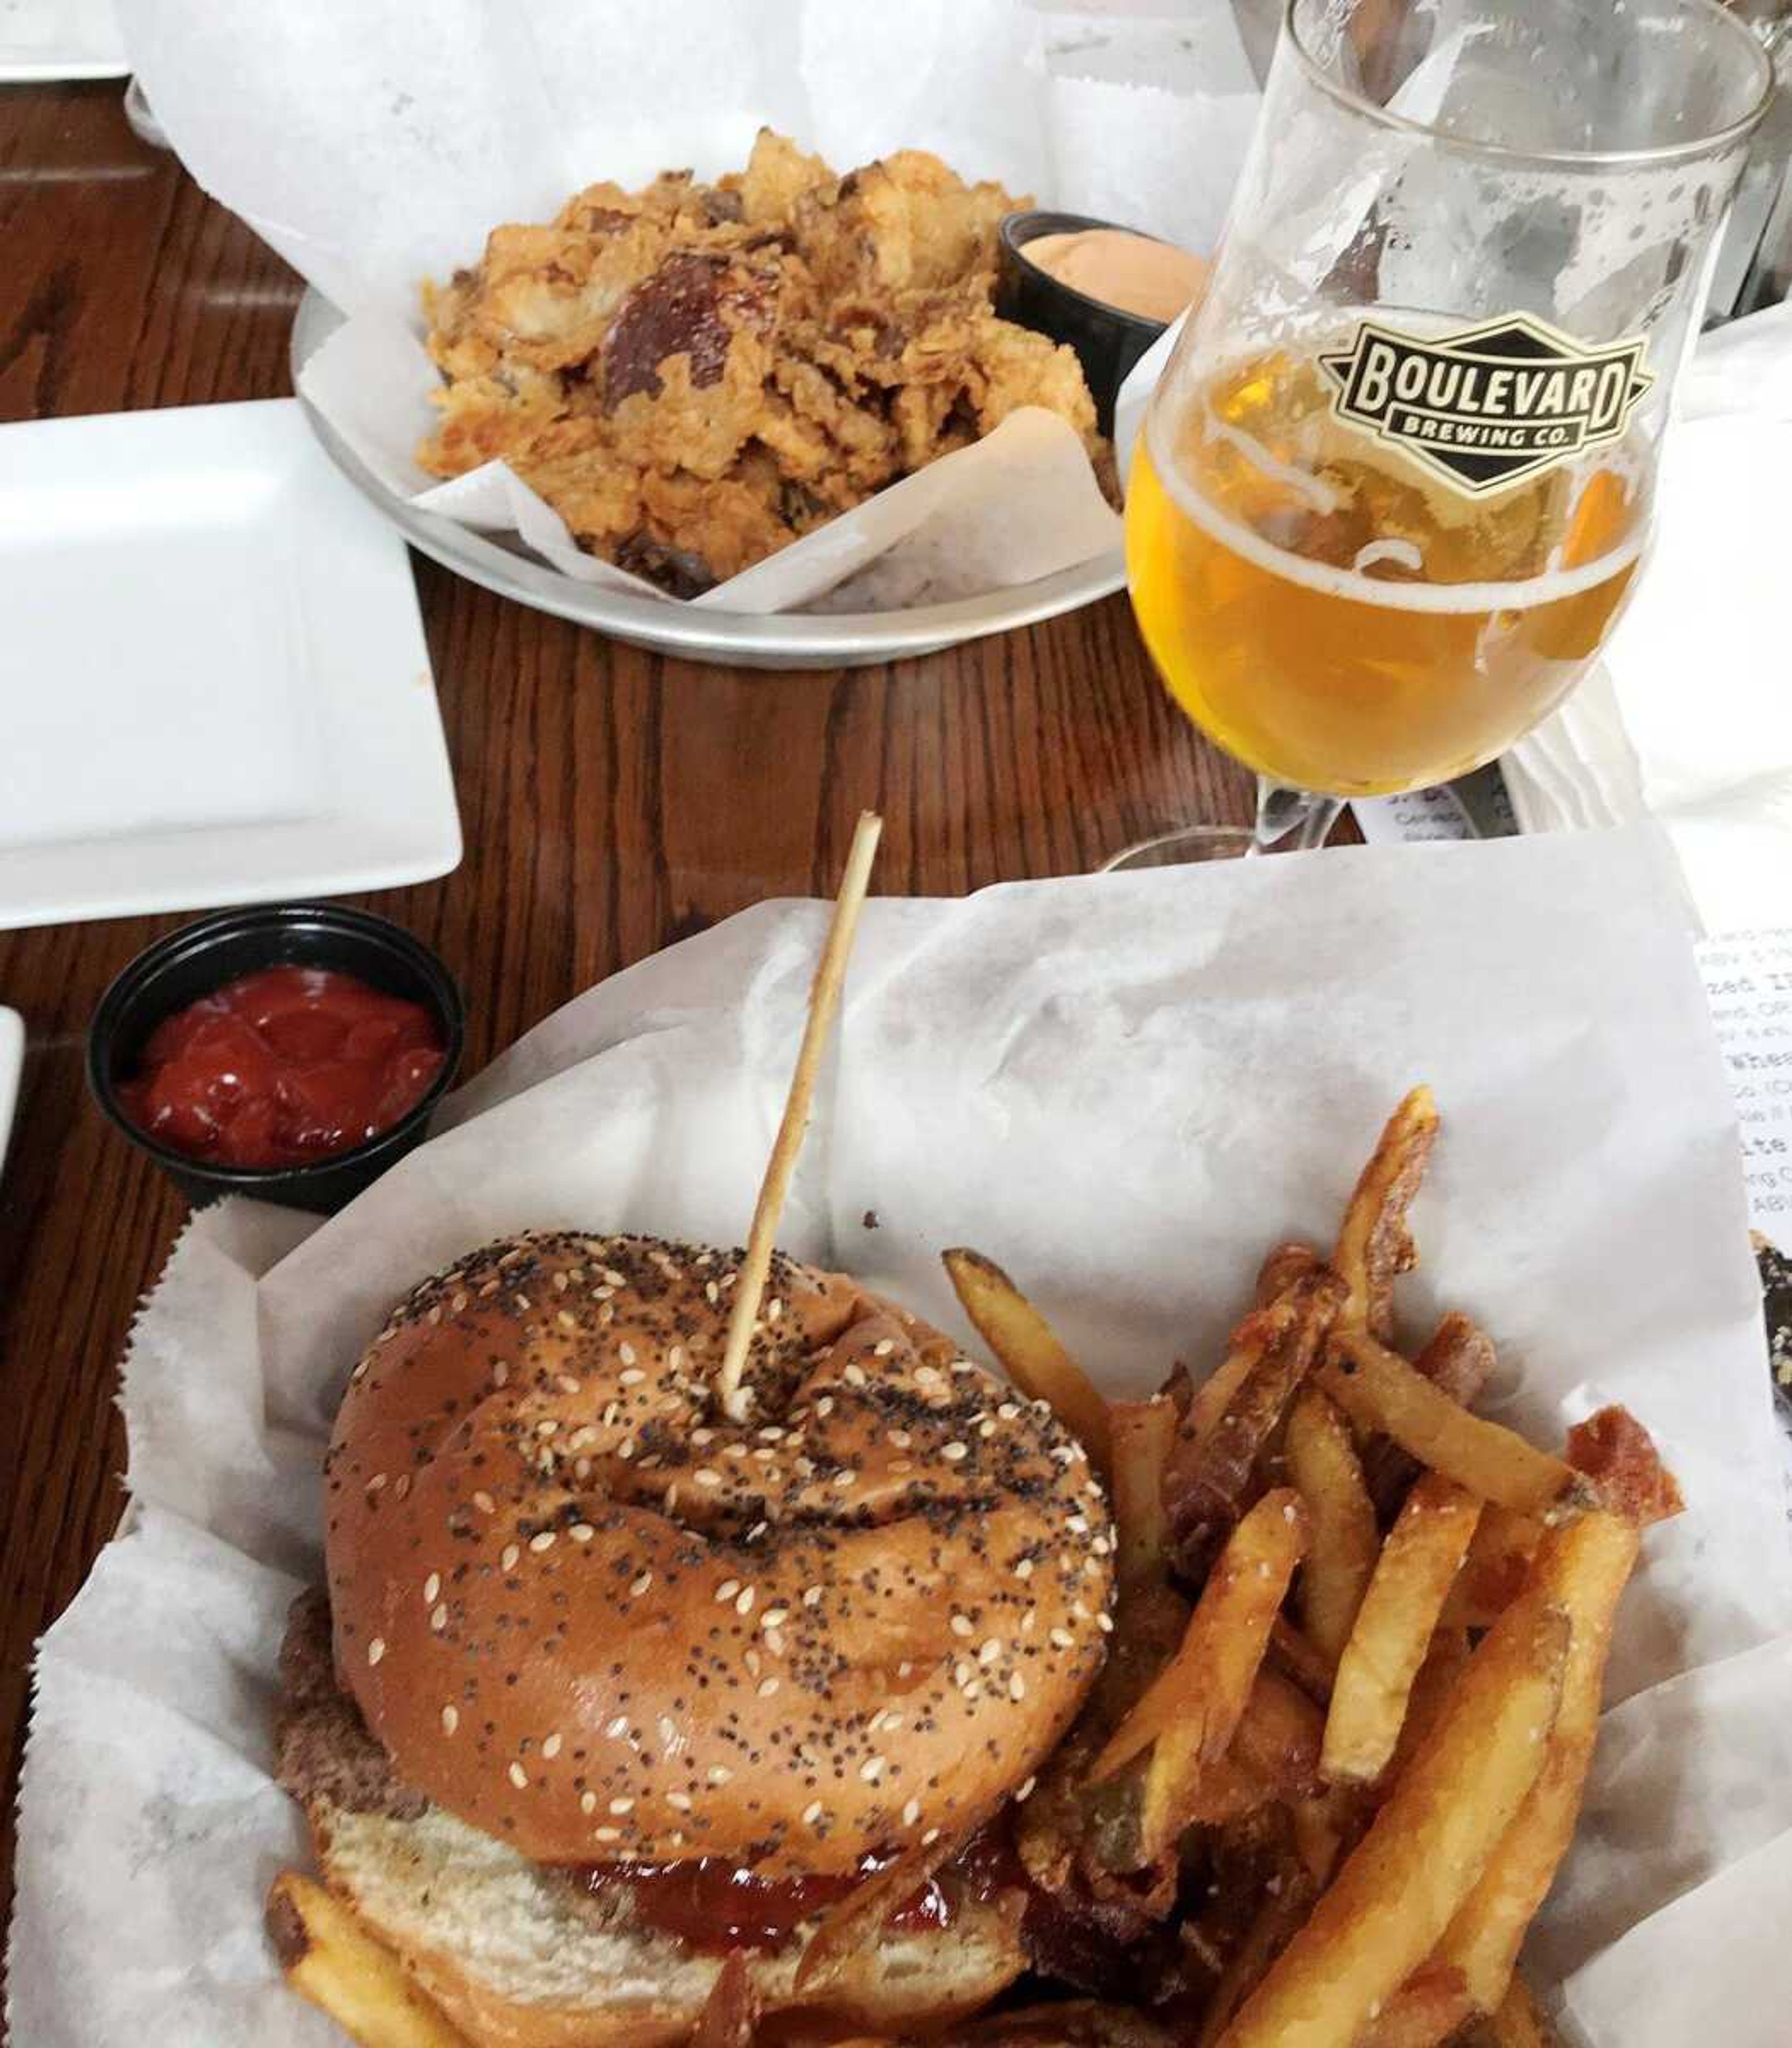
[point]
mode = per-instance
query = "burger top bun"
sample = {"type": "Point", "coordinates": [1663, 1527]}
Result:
{"type": "Point", "coordinates": [586, 1614]}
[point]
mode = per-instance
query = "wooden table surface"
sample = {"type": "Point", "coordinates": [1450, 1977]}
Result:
{"type": "Point", "coordinates": [611, 802]}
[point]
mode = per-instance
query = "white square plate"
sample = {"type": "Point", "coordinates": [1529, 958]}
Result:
{"type": "Point", "coordinates": [41, 40]}
{"type": "Point", "coordinates": [11, 1061]}
{"type": "Point", "coordinates": [214, 687]}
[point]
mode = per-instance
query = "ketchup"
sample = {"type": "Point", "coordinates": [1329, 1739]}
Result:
{"type": "Point", "coordinates": [283, 1068]}
{"type": "Point", "coordinates": [713, 1905]}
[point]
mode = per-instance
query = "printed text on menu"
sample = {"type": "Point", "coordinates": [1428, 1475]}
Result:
{"type": "Point", "coordinates": [1748, 978]}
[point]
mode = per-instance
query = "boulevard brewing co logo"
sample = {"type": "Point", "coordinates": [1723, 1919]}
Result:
{"type": "Point", "coordinates": [1487, 406]}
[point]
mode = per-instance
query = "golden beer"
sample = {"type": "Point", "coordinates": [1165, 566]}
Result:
{"type": "Point", "coordinates": [1339, 619]}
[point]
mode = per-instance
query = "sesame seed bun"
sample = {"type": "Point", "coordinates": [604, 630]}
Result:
{"type": "Point", "coordinates": [584, 1613]}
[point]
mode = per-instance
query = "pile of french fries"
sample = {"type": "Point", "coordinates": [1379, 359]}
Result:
{"type": "Point", "coordinates": [1339, 1749]}
{"type": "Point", "coordinates": [1360, 1644]}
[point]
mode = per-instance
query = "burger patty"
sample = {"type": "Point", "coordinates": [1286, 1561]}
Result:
{"type": "Point", "coordinates": [323, 1752]}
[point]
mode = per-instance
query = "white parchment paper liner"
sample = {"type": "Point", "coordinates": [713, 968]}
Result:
{"type": "Point", "coordinates": [1125, 1088]}
{"type": "Point", "coordinates": [374, 143]}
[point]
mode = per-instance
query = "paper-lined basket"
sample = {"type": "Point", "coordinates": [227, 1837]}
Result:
{"type": "Point", "coordinates": [1124, 1088]}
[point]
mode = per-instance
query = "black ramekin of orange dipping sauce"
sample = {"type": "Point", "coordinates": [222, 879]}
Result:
{"type": "Point", "coordinates": [1108, 339]}
{"type": "Point", "coordinates": [320, 1161]}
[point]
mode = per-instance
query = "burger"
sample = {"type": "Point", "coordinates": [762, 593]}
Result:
{"type": "Point", "coordinates": [611, 1700]}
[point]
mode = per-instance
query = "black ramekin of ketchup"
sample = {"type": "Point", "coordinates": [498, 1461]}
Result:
{"type": "Point", "coordinates": [292, 1052]}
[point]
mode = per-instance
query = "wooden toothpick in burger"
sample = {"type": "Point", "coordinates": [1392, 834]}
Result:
{"type": "Point", "coordinates": [824, 1001]}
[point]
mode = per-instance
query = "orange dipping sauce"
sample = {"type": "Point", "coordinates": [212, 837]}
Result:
{"type": "Point", "coordinates": [1131, 273]}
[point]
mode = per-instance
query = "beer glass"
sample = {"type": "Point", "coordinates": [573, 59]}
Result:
{"type": "Point", "coordinates": [1394, 485]}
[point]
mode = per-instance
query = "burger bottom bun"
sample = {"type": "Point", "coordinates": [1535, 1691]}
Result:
{"type": "Point", "coordinates": [511, 1959]}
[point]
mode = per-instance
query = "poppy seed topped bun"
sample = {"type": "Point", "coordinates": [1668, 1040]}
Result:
{"type": "Point", "coordinates": [583, 1612]}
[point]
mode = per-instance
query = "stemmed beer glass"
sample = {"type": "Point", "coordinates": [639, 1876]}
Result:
{"type": "Point", "coordinates": [1396, 483]}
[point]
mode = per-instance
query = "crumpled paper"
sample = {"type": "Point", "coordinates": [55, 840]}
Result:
{"type": "Point", "coordinates": [374, 145]}
{"type": "Point", "coordinates": [1125, 1088]}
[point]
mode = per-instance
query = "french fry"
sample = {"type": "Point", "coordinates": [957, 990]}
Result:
{"type": "Point", "coordinates": [1279, 1915]}
{"type": "Point", "coordinates": [1379, 1390]}
{"type": "Point", "coordinates": [1178, 1388]}
{"type": "Point", "coordinates": [1517, 2023]}
{"type": "Point", "coordinates": [328, 1956]}
{"type": "Point", "coordinates": [1296, 1658]}
{"type": "Point", "coordinates": [1183, 1754]}
{"type": "Point", "coordinates": [1282, 1271]}
{"type": "Point", "coordinates": [1223, 1792]}
{"type": "Point", "coordinates": [1211, 1466]}
{"type": "Point", "coordinates": [1459, 1358]}
{"type": "Point", "coordinates": [1374, 1243]}
{"type": "Point", "coordinates": [1423, 1554]}
{"type": "Point", "coordinates": [1176, 1795]}
{"type": "Point", "coordinates": [731, 2013]}
{"type": "Point", "coordinates": [1580, 1570]}
{"type": "Point", "coordinates": [1217, 1392]}
{"type": "Point", "coordinates": [1029, 1351]}
{"type": "Point", "coordinates": [1425, 2012]}
{"type": "Point", "coordinates": [1077, 2022]}
{"type": "Point", "coordinates": [1201, 1694]}
{"type": "Point", "coordinates": [1140, 1434]}
{"type": "Point", "coordinates": [1614, 1453]}
{"type": "Point", "coordinates": [1617, 1455]}
{"type": "Point", "coordinates": [1459, 1361]}
{"type": "Point", "coordinates": [1278, 1736]}
{"type": "Point", "coordinates": [1282, 1268]}
{"type": "Point", "coordinates": [1190, 1714]}
{"type": "Point", "coordinates": [1324, 1827]}
{"type": "Point", "coordinates": [1438, 1677]}
{"type": "Point", "coordinates": [1324, 1468]}
{"type": "Point", "coordinates": [1402, 1885]}
{"type": "Point", "coordinates": [1494, 1573]}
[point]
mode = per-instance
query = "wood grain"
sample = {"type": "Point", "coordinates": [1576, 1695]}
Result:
{"type": "Point", "coordinates": [612, 801]}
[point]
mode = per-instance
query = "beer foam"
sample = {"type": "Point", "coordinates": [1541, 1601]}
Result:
{"type": "Point", "coordinates": [1356, 588]}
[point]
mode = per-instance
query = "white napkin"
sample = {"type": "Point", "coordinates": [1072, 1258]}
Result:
{"type": "Point", "coordinates": [374, 143]}
{"type": "Point", "coordinates": [1690, 717]}
{"type": "Point", "coordinates": [1124, 1087]}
